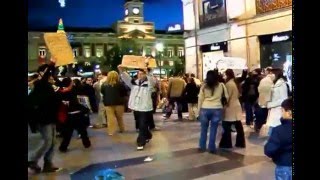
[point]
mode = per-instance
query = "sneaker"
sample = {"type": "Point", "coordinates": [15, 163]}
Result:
{"type": "Point", "coordinates": [34, 167]}
{"type": "Point", "coordinates": [140, 148]}
{"type": "Point", "coordinates": [50, 168]}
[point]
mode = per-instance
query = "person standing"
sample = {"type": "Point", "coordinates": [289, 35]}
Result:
{"type": "Point", "coordinates": [43, 105]}
{"type": "Point", "coordinates": [191, 95]}
{"type": "Point", "coordinates": [233, 114]}
{"type": "Point", "coordinates": [113, 93]}
{"type": "Point", "coordinates": [279, 145]}
{"type": "Point", "coordinates": [250, 95]}
{"type": "Point", "coordinates": [102, 118]}
{"type": "Point", "coordinates": [279, 93]}
{"type": "Point", "coordinates": [264, 88]}
{"type": "Point", "coordinates": [140, 101]}
{"type": "Point", "coordinates": [211, 108]}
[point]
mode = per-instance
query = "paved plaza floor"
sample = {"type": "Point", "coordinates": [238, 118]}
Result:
{"type": "Point", "coordinates": [173, 151]}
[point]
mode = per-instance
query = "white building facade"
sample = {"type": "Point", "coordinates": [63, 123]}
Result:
{"type": "Point", "coordinates": [258, 31]}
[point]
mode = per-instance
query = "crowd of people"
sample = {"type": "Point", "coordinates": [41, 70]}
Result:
{"type": "Point", "coordinates": [65, 105]}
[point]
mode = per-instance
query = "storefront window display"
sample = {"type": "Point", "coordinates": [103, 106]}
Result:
{"type": "Point", "coordinates": [276, 51]}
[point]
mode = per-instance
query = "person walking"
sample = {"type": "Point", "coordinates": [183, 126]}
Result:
{"type": "Point", "coordinates": [140, 101]}
{"type": "Point", "coordinates": [43, 104]}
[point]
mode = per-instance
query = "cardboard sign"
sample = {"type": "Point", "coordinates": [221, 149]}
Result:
{"type": "Point", "coordinates": [137, 62]}
{"type": "Point", "coordinates": [59, 48]}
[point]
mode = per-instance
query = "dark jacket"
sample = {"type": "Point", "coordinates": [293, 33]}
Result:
{"type": "Point", "coordinates": [250, 91]}
{"type": "Point", "coordinates": [43, 103]}
{"type": "Point", "coordinates": [279, 145]}
{"type": "Point", "coordinates": [191, 93]}
{"type": "Point", "coordinates": [88, 90]}
{"type": "Point", "coordinates": [113, 95]}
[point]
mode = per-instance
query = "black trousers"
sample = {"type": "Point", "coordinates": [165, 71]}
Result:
{"type": "Point", "coordinates": [150, 122]}
{"type": "Point", "coordinates": [74, 122]}
{"type": "Point", "coordinates": [226, 141]}
{"type": "Point", "coordinates": [144, 131]}
{"type": "Point", "coordinates": [261, 117]}
{"type": "Point", "coordinates": [179, 104]}
{"type": "Point", "coordinates": [154, 97]}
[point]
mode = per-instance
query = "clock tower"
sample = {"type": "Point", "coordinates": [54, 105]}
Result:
{"type": "Point", "coordinates": [133, 11]}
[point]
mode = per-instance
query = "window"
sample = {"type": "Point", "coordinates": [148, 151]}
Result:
{"type": "Point", "coordinates": [180, 52]}
{"type": "Point", "coordinates": [75, 52]}
{"type": "Point", "coordinates": [148, 51]}
{"type": "Point", "coordinates": [109, 47]}
{"type": "Point", "coordinates": [136, 21]}
{"type": "Point", "coordinates": [87, 51]}
{"type": "Point", "coordinates": [170, 52]}
{"type": "Point", "coordinates": [99, 51]}
{"type": "Point", "coordinates": [42, 52]}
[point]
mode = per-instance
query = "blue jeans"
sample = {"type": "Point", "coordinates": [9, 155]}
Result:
{"type": "Point", "coordinates": [210, 117]}
{"type": "Point", "coordinates": [283, 172]}
{"type": "Point", "coordinates": [270, 131]}
{"type": "Point", "coordinates": [46, 148]}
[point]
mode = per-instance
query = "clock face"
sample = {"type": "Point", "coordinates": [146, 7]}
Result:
{"type": "Point", "coordinates": [126, 12]}
{"type": "Point", "coordinates": [136, 10]}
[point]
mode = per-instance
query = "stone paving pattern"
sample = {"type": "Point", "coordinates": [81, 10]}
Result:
{"type": "Point", "coordinates": [174, 153]}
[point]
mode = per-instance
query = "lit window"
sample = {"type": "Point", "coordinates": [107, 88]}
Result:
{"type": "Point", "coordinates": [109, 47]}
{"type": "Point", "coordinates": [148, 51]}
{"type": "Point", "coordinates": [180, 52]}
{"type": "Point", "coordinates": [42, 52]}
{"type": "Point", "coordinates": [75, 52]}
{"type": "Point", "coordinates": [99, 51]}
{"type": "Point", "coordinates": [170, 52]}
{"type": "Point", "coordinates": [87, 51]}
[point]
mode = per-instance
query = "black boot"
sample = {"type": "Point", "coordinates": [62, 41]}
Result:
{"type": "Point", "coordinates": [34, 167]}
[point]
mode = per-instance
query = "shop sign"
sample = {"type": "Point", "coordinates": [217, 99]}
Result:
{"type": "Point", "coordinates": [220, 46]}
{"type": "Point", "coordinates": [277, 38]}
{"type": "Point", "coordinates": [274, 38]}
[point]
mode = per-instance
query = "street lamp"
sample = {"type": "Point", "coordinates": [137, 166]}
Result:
{"type": "Point", "coordinates": [159, 48]}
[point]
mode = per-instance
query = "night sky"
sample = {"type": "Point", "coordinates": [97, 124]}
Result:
{"type": "Point", "coordinates": [99, 13]}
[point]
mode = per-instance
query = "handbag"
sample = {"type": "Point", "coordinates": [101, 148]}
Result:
{"type": "Point", "coordinates": [223, 100]}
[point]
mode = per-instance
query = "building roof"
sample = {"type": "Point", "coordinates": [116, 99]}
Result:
{"type": "Point", "coordinates": [93, 29]}
{"type": "Point", "coordinates": [72, 29]}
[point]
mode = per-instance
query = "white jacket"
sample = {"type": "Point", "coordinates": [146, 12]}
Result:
{"type": "Point", "coordinates": [279, 94]}
{"type": "Point", "coordinates": [140, 95]}
{"type": "Point", "coordinates": [265, 89]}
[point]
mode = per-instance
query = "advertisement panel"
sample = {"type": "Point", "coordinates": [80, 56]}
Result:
{"type": "Point", "coordinates": [212, 13]}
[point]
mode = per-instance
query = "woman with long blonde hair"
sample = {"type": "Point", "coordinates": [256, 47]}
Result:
{"type": "Point", "coordinates": [113, 92]}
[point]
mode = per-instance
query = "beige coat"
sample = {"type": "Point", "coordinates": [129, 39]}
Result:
{"type": "Point", "coordinates": [233, 110]}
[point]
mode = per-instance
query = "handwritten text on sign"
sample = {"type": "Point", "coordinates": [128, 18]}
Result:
{"type": "Point", "coordinates": [59, 47]}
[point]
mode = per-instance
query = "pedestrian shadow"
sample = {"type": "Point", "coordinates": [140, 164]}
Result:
{"type": "Point", "coordinates": [256, 138]}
